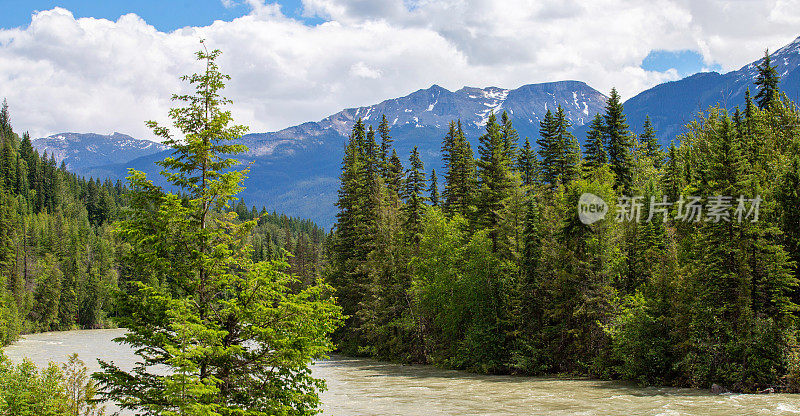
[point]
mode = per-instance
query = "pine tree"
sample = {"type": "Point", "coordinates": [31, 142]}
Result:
{"type": "Point", "coordinates": [595, 154]}
{"type": "Point", "coordinates": [568, 148]}
{"type": "Point", "coordinates": [386, 145]}
{"type": "Point", "coordinates": [495, 181]}
{"type": "Point", "coordinates": [528, 165]}
{"type": "Point", "coordinates": [5, 120]}
{"type": "Point", "coordinates": [649, 141]}
{"type": "Point", "coordinates": [510, 138]}
{"type": "Point", "coordinates": [413, 194]}
{"type": "Point", "coordinates": [233, 334]}
{"type": "Point", "coordinates": [618, 139]}
{"type": "Point", "coordinates": [558, 149]}
{"type": "Point", "coordinates": [459, 176]}
{"type": "Point", "coordinates": [767, 81]}
{"type": "Point", "coordinates": [549, 148]}
{"type": "Point", "coordinates": [396, 173]}
{"type": "Point", "coordinates": [434, 189]}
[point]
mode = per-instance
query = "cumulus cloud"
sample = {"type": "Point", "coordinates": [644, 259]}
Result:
{"type": "Point", "coordinates": [66, 74]}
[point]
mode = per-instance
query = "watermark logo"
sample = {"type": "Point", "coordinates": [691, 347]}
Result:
{"type": "Point", "coordinates": [717, 208]}
{"type": "Point", "coordinates": [591, 208]}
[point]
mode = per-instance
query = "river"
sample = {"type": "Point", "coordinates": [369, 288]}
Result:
{"type": "Point", "coordinates": [374, 388]}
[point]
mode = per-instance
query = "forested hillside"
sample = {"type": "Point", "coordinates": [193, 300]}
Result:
{"type": "Point", "coordinates": [490, 268]}
{"type": "Point", "coordinates": [59, 254]}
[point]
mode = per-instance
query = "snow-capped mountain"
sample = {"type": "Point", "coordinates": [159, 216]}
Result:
{"type": "Point", "coordinates": [295, 170]}
{"type": "Point", "coordinates": [432, 109]}
{"type": "Point", "coordinates": [83, 151]}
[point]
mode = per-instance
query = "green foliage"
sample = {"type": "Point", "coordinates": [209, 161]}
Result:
{"type": "Point", "coordinates": [649, 142]}
{"type": "Point", "coordinates": [595, 153]}
{"type": "Point", "coordinates": [460, 180]}
{"type": "Point", "coordinates": [617, 138]}
{"type": "Point", "coordinates": [236, 335]}
{"type": "Point", "coordinates": [506, 278]}
{"type": "Point", "coordinates": [767, 82]}
{"type": "Point", "coordinates": [52, 391]}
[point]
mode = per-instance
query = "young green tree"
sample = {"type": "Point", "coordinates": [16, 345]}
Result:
{"type": "Point", "coordinates": [233, 335]}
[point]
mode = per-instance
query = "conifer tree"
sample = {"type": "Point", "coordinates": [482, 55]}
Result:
{"type": "Point", "coordinates": [510, 138]}
{"type": "Point", "coordinates": [459, 188]}
{"type": "Point", "coordinates": [434, 189]}
{"type": "Point", "coordinates": [528, 165]}
{"type": "Point", "coordinates": [5, 120]}
{"type": "Point", "coordinates": [649, 141]}
{"type": "Point", "coordinates": [386, 145]}
{"type": "Point", "coordinates": [233, 335]}
{"type": "Point", "coordinates": [396, 173]}
{"type": "Point", "coordinates": [568, 148]}
{"type": "Point", "coordinates": [549, 148]}
{"type": "Point", "coordinates": [595, 154]}
{"type": "Point", "coordinates": [495, 180]}
{"type": "Point", "coordinates": [413, 194]}
{"type": "Point", "coordinates": [767, 81]}
{"type": "Point", "coordinates": [618, 139]}
{"type": "Point", "coordinates": [558, 148]}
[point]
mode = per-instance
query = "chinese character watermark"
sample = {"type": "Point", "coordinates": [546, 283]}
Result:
{"type": "Point", "coordinates": [717, 208]}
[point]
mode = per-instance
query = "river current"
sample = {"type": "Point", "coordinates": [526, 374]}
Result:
{"type": "Point", "coordinates": [373, 388]}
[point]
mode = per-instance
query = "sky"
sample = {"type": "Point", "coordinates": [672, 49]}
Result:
{"type": "Point", "coordinates": [105, 66]}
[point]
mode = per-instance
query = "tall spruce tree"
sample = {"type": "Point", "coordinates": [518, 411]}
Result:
{"type": "Point", "coordinates": [649, 142]}
{"type": "Point", "coordinates": [386, 145]}
{"type": "Point", "coordinates": [595, 153]}
{"type": "Point", "coordinates": [434, 189]}
{"type": "Point", "coordinates": [549, 150]}
{"type": "Point", "coordinates": [767, 81]}
{"type": "Point", "coordinates": [510, 138]}
{"type": "Point", "coordinates": [234, 336]}
{"type": "Point", "coordinates": [495, 179]}
{"type": "Point", "coordinates": [414, 194]}
{"type": "Point", "coordinates": [459, 187]}
{"type": "Point", "coordinates": [528, 165]}
{"type": "Point", "coordinates": [568, 148]}
{"type": "Point", "coordinates": [618, 139]}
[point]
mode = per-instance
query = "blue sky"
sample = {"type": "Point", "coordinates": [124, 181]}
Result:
{"type": "Point", "coordinates": [165, 15]}
{"type": "Point", "coordinates": [686, 62]}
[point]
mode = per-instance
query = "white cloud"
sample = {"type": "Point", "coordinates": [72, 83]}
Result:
{"type": "Point", "coordinates": [228, 3]}
{"type": "Point", "coordinates": [360, 69]}
{"type": "Point", "coordinates": [67, 74]}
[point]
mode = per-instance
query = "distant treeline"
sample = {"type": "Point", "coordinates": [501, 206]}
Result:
{"type": "Point", "coordinates": [491, 269]}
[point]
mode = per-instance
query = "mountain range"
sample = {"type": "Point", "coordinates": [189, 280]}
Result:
{"type": "Point", "coordinates": [295, 170]}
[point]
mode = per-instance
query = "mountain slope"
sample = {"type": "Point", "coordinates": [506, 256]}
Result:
{"type": "Point", "coordinates": [671, 105]}
{"type": "Point", "coordinates": [81, 152]}
{"type": "Point", "coordinates": [296, 170]}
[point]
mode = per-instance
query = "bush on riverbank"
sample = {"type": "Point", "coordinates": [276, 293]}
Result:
{"type": "Point", "coordinates": [65, 390]}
